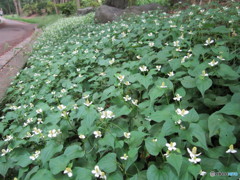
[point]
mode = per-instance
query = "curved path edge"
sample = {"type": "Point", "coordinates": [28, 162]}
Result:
{"type": "Point", "coordinates": [13, 61]}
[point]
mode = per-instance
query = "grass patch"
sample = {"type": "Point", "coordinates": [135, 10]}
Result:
{"type": "Point", "coordinates": [42, 21]}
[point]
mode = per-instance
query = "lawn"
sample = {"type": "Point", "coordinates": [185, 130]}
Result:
{"type": "Point", "coordinates": [42, 21]}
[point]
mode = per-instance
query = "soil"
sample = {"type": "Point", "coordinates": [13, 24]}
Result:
{"type": "Point", "coordinates": [12, 33]}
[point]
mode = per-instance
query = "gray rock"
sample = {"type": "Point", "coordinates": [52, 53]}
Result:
{"type": "Point", "coordinates": [106, 13]}
{"type": "Point", "coordinates": [122, 4]}
{"type": "Point", "coordinates": [85, 11]}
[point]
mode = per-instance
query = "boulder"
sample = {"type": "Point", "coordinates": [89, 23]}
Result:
{"type": "Point", "coordinates": [106, 13]}
{"type": "Point", "coordinates": [121, 4]}
{"type": "Point", "coordinates": [84, 11]}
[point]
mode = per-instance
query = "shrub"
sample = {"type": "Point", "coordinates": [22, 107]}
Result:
{"type": "Point", "coordinates": [67, 8]}
{"type": "Point", "coordinates": [152, 97]}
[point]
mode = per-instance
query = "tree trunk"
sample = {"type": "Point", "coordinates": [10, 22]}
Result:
{"type": "Point", "coordinates": [16, 7]}
{"type": "Point", "coordinates": [19, 7]}
{"type": "Point", "coordinates": [55, 6]}
{"type": "Point", "coordinates": [78, 4]}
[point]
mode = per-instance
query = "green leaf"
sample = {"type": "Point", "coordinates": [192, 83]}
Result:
{"type": "Point", "coordinates": [132, 157]}
{"type": "Point", "coordinates": [58, 164]}
{"type": "Point", "coordinates": [198, 50]}
{"type": "Point", "coordinates": [231, 108]}
{"type": "Point", "coordinates": [203, 84]}
{"type": "Point", "coordinates": [43, 173]}
{"type": "Point", "coordinates": [188, 82]}
{"type": "Point", "coordinates": [50, 149]}
{"type": "Point", "coordinates": [21, 157]}
{"type": "Point", "coordinates": [146, 81]}
{"type": "Point", "coordinates": [152, 147]}
{"type": "Point", "coordinates": [82, 173]}
{"type": "Point", "coordinates": [226, 72]}
{"type": "Point", "coordinates": [154, 173]}
{"type": "Point", "coordinates": [74, 151]}
{"type": "Point", "coordinates": [108, 163]}
{"type": "Point", "coordinates": [31, 172]}
{"type": "Point", "coordinates": [194, 169]}
{"type": "Point", "coordinates": [192, 116]}
{"type": "Point", "coordinates": [124, 110]}
{"type": "Point", "coordinates": [155, 92]}
{"type": "Point", "coordinates": [116, 176]}
{"type": "Point", "coordinates": [221, 29]}
{"type": "Point", "coordinates": [136, 138]}
{"type": "Point", "coordinates": [175, 161]}
{"type": "Point", "coordinates": [107, 140]}
{"type": "Point", "coordinates": [165, 113]}
{"type": "Point", "coordinates": [195, 132]}
{"type": "Point", "coordinates": [4, 166]}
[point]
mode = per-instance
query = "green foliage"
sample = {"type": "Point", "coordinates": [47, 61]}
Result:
{"type": "Point", "coordinates": [154, 96]}
{"type": "Point", "coordinates": [142, 2]}
{"type": "Point", "coordinates": [67, 8]}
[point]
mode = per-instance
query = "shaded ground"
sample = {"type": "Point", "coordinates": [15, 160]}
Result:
{"type": "Point", "coordinates": [12, 33]}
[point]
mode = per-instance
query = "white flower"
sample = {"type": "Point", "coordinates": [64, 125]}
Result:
{"type": "Point", "coordinates": [170, 74]}
{"type": "Point", "coordinates": [191, 13]}
{"type": "Point", "coordinates": [8, 138]}
{"type": "Point", "coordinates": [85, 96]}
{"type": "Point", "coordinates": [182, 112]}
{"type": "Point", "coordinates": [163, 85]}
{"type": "Point", "coordinates": [178, 121]}
{"type": "Point", "coordinates": [139, 57]}
{"type": "Point", "coordinates": [151, 44]}
{"type": "Point", "coordinates": [100, 109]}
{"type": "Point", "coordinates": [148, 118]}
{"type": "Point", "coordinates": [208, 42]}
{"type": "Point", "coordinates": [177, 97]}
{"type": "Point", "coordinates": [53, 133]}
{"type": "Point", "coordinates": [127, 83]}
{"type": "Point", "coordinates": [112, 61]}
{"type": "Point", "coordinates": [194, 160]}
{"type": "Point", "coordinates": [35, 155]}
{"type": "Point", "coordinates": [75, 52]}
{"type": "Point", "coordinates": [97, 172]}
{"type": "Point", "coordinates": [221, 58]}
{"type": "Point", "coordinates": [176, 43]}
{"type": "Point", "coordinates": [135, 102]}
{"type": "Point", "coordinates": [97, 134]}
{"type": "Point", "coordinates": [103, 175]}
{"type": "Point", "coordinates": [102, 74]}
{"type": "Point", "coordinates": [171, 146]}
{"type": "Point", "coordinates": [5, 151]}
{"type": "Point", "coordinates": [63, 90]}
{"type": "Point", "coordinates": [204, 74]}
{"type": "Point", "coordinates": [61, 107]}
{"type": "Point", "coordinates": [120, 77]}
{"type": "Point", "coordinates": [64, 114]}
{"type": "Point", "coordinates": [202, 173]}
{"type": "Point", "coordinates": [107, 114]}
{"type": "Point", "coordinates": [38, 111]}
{"type": "Point", "coordinates": [81, 136]}
{"type": "Point", "coordinates": [68, 171]}
{"type": "Point", "coordinates": [124, 157]}
{"type": "Point", "coordinates": [150, 34]}
{"type": "Point", "coordinates": [167, 154]}
{"type": "Point", "coordinates": [87, 103]}
{"type": "Point", "coordinates": [154, 140]}
{"type": "Point", "coordinates": [36, 131]}
{"type": "Point", "coordinates": [143, 68]}
{"type": "Point", "coordinates": [158, 68]}
{"type": "Point", "coordinates": [193, 153]}
{"type": "Point", "coordinates": [75, 106]}
{"type": "Point", "coordinates": [231, 149]}
{"type": "Point", "coordinates": [178, 49]}
{"type": "Point", "coordinates": [127, 135]}
{"type": "Point", "coordinates": [127, 98]}
{"type": "Point", "coordinates": [213, 63]}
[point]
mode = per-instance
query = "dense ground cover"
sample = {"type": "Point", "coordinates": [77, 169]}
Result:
{"type": "Point", "coordinates": [150, 97]}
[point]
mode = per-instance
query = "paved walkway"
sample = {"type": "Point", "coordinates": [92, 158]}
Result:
{"type": "Point", "coordinates": [15, 39]}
